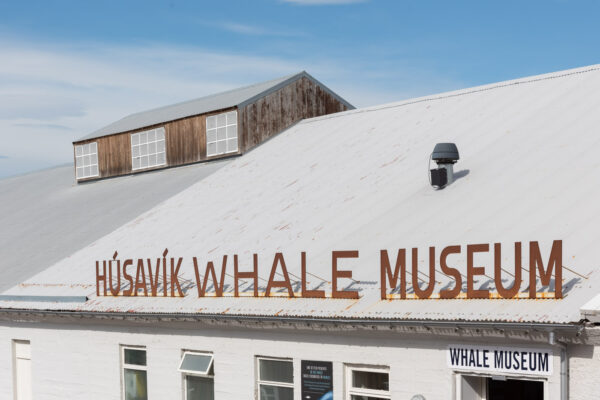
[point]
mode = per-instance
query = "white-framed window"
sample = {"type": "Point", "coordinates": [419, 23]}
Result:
{"type": "Point", "coordinates": [148, 149]}
{"type": "Point", "coordinates": [367, 383]}
{"type": "Point", "coordinates": [275, 378]}
{"type": "Point", "coordinates": [198, 375]}
{"type": "Point", "coordinates": [135, 378]}
{"type": "Point", "coordinates": [86, 160]}
{"type": "Point", "coordinates": [221, 134]}
{"type": "Point", "coordinates": [22, 381]}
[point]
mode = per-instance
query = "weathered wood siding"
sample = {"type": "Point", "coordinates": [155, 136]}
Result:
{"type": "Point", "coordinates": [185, 140]}
{"type": "Point", "coordinates": [279, 110]}
{"type": "Point", "coordinates": [114, 155]}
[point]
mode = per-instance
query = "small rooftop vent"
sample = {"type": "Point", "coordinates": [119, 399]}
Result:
{"type": "Point", "coordinates": [445, 155]}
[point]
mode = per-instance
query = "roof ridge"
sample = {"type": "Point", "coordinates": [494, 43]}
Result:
{"type": "Point", "coordinates": [463, 92]}
{"type": "Point", "coordinates": [268, 85]}
{"type": "Point", "coordinates": [283, 78]}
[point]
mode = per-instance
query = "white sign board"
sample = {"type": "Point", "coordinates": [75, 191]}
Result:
{"type": "Point", "coordinates": [500, 360]}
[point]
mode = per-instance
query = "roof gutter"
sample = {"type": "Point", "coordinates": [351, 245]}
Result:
{"type": "Point", "coordinates": [574, 327]}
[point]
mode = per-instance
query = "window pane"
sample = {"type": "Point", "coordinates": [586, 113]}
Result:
{"type": "Point", "coordinates": [370, 380]}
{"type": "Point", "coordinates": [135, 357]}
{"type": "Point", "coordinates": [232, 131]}
{"type": "Point", "coordinates": [356, 397]}
{"type": "Point", "coordinates": [87, 171]}
{"type": "Point", "coordinates": [276, 393]}
{"type": "Point", "coordinates": [276, 371]}
{"type": "Point", "coordinates": [221, 133]}
{"type": "Point", "coordinates": [199, 388]}
{"type": "Point", "coordinates": [221, 147]}
{"type": "Point", "coordinates": [211, 122]}
{"type": "Point", "coordinates": [231, 118]}
{"type": "Point", "coordinates": [211, 135]}
{"type": "Point", "coordinates": [79, 161]}
{"type": "Point", "coordinates": [94, 170]}
{"type": "Point", "coordinates": [196, 362]}
{"type": "Point", "coordinates": [79, 172]}
{"type": "Point", "coordinates": [94, 158]}
{"type": "Point", "coordinates": [135, 384]}
{"type": "Point", "coordinates": [93, 147]}
{"type": "Point", "coordinates": [221, 120]}
{"type": "Point", "coordinates": [87, 160]}
{"type": "Point", "coordinates": [78, 150]}
{"type": "Point", "coordinates": [232, 145]}
{"type": "Point", "coordinates": [211, 149]}
{"type": "Point", "coordinates": [148, 149]}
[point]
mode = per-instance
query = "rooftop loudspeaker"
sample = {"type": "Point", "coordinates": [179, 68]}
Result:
{"type": "Point", "coordinates": [445, 155]}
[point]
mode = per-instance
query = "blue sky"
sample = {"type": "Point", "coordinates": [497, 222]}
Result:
{"type": "Point", "coordinates": [71, 67]}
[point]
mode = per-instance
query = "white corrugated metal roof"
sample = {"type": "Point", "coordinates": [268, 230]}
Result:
{"type": "Point", "coordinates": [358, 180]}
{"type": "Point", "coordinates": [45, 216]}
{"type": "Point", "coordinates": [219, 101]}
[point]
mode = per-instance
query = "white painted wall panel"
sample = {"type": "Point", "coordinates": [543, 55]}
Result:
{"type": "Point", "coordinates": [23, 379]}
{"type": "Point", "coordinates": [82, 361]}
{"type": "Point", "coordinates": [584, 363]}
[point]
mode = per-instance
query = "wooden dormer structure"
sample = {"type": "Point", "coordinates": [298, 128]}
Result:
{"type": "Point", "coordinates": [208, 128]}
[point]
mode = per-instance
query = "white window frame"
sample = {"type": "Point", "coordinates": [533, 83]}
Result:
{"type": "Point", "coordinates": [16, 355]}
{"type": "Point", "coordinates": [352, 391]}
{"type": "Point", "coordinates": [259, 381]}
{"type": "Point", "coordinates": [185, 372]}
{"type": "Point", "coordinates": [156, 131]}
{"type": "Point", "coordinates": [197, 353]}
{"type": "Point", "coordinates": [227, 138]}
{"type": "Point", "coordinates": [80, 159]}
{"type": "Point", "coordinates": [132, 366]}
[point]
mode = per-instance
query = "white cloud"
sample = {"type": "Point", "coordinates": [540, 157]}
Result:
{"type": "Point", "coordinates": [38, 106]}
{"type": "Point", "coordinates": [242, 28]}
{"type": "Point", "coordinates": [42, 125]}
{"type": "Point", "coordinates": [323, 2]}
{"type": "Point", "coordinates": [245, 29]}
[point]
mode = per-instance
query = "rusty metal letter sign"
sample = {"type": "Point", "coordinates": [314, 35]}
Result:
{"type": "Point", "coordinates": [160, 277]}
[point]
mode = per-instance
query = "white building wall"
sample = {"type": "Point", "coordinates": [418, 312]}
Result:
{"type": "Point", "coordinates": [82, 361]}
{"type": "Point", "coordinates": [584, 369]}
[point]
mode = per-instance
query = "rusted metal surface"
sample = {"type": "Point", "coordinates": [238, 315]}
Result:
{"type": "Point", "coordinates": [356, 180]}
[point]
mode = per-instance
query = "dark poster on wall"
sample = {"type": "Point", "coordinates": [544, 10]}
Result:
{"type": "Point", "coordinates": [317, 380]}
